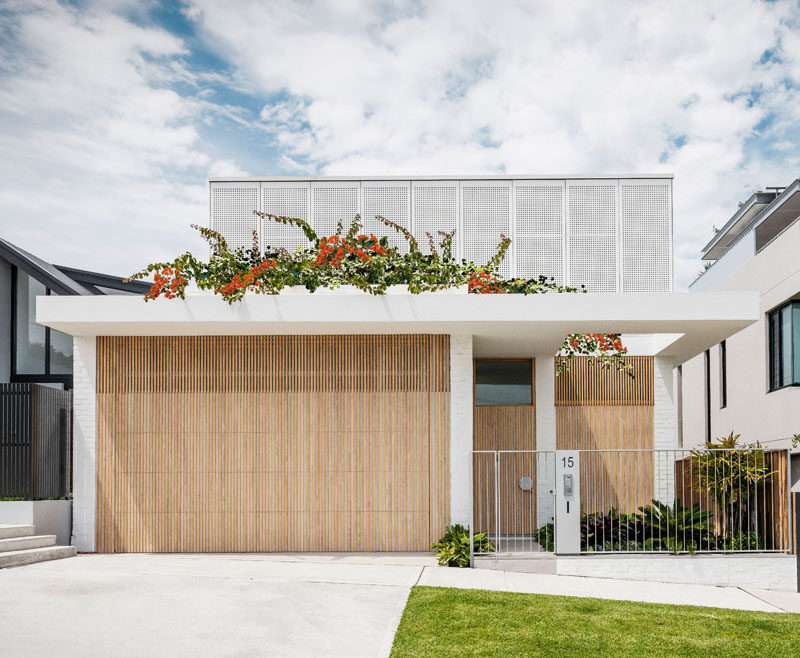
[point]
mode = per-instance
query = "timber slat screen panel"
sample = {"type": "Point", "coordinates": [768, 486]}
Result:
{"type": "Point", "coordinates": [272, 443]}
{"type": "Point", "coordinates": [769, 509]}
{"type": "Point", "coordinates": [505, 427]}
{"type": "Point", "coordinates": [605, 409]}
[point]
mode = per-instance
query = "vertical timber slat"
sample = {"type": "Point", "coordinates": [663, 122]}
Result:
{"type": "Point", "coordinates": [272, 443]}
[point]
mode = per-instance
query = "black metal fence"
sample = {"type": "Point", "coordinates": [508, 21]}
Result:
{"type": "Point", "coordinates": [35, 441]}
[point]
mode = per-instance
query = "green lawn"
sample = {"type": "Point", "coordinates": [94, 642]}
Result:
{"type": "Point", "coordinates": [459, 622]}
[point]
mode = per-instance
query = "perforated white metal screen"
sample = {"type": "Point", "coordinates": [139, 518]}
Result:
{"type": "Point", "coordinates": [232, 206]}
{"type": "Point", "coordinates": [286, 200]}
{"type": "Point", "coordinates": [485, 215]}
{"type": "Point", "coordinates": [592, 235]}
{"type": "Point", "coordinates": [332, 202]}
{"type": "Point", "coordinates": [435, 208]}
{"type": "Point", "coordinates": [645, 219]}
{"type": "Point", "coordinates": [609, 234]}
{"type": "Point", "coordinates": [391, 200]}
{"type": "Point", "coordinates": [539, 224]}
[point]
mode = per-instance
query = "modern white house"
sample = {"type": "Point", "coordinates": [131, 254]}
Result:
{"type": "Point", "coordinates": [749, 383]}
{"type": "Point", "coordinates": [343, 421]}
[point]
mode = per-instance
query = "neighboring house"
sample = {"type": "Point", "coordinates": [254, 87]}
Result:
{"type": "Point", "coordinates": [30, 352]}
{"type": "Point", "coordinates": [749, 384]}
{"type": "Point", "coordinates": [339, 421]}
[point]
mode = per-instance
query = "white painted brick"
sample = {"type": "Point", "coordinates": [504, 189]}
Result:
{"type": "Point", "coordinates": [664, 437]}
{"type": "Point", "coordinates": [460, 428]}
{"type": "Point", "coordinates": [777, 572]}
{"type": "Point", "coordinates": [84, 423]}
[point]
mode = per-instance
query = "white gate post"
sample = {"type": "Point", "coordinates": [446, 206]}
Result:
{"type": "Point", "coordinates": [568, 502]}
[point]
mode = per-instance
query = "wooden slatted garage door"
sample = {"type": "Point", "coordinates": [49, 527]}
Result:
{"type": "Point", "coordinates": [272, 443]}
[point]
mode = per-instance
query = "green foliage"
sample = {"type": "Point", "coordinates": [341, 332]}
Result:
{"type": "Point", "coordinates": [452, 550]}
{"type": "Point", "coordinates": [731, 473]}
{"type": "Point", "coordinates": [604, 350]}
{"type": "Point", "coordinates": [546, 537]}
{"type": "Point", "coordinates": [675, 528]}
{"type": "Point", "coordinates": [500, 253]}
{"type": "Point", "coordinates": [655, 527]}
{"type": "Point", "coordinates": [402, 230]}
{"type": "Point", "coordinates": [302, 224]}
{"type": "Point", "coordinates": [366, 262]}
{"type": "Point", "coordinates": [611, 531]}
{"type": "Point", "coordinates": [363, 261]}
{"type": "Point", "coordinates": [743, 541]}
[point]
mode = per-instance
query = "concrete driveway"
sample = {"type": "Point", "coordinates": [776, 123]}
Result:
{"type": "Point", "coordinates": [206, 605]}
{"type": "Point", "coordinates": [268, 604]}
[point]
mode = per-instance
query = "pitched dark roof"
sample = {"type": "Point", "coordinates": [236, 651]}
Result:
{"type": "Point", "coordinates": [50, 276]}
{"type": "Point", "coordinates": [66, 280]}
{"type": "Point", "coordinates": [97, 281]}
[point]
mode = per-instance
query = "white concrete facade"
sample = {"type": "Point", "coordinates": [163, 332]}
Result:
{"type": "Point", "coordinates": [84, 435]}
{"type": "Point", "coordinates": [752, 410]}
{"type": "Point", "coordinates": [478, 326]}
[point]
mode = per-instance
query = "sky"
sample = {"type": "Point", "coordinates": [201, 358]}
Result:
{"type": "Point", "coordinates": [113, 114]}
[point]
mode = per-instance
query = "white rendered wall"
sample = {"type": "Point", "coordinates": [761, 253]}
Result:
{"type": "Point", "coordinates": [751, 570]}
{"type": "Point", "coordinates": [460, 428]}
{"type": "Point", "coordinates": [84, 454]}
{"type": "Point", "coordinates": [758, 415]}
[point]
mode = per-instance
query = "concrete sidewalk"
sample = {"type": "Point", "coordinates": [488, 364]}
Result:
{"type": "Point", "coordinates": [606, 588]}
{"type": "Point", "coordinates": [274, 604]}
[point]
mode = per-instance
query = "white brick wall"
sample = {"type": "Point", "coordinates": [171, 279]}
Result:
{"type": "Point", "coordinates": [545, 437]}
{"type": "Point", "coordinates": [84, 457]}
{"type": "Point", "coordinates": [759, 571]}
{"type": "Point", "coordinates": [460, 428]}
{"type": "Point", "coordinates": [663, 430]}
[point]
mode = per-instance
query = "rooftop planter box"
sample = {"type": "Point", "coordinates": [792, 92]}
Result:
{"type": "Point", "coordinates": [351, 262]}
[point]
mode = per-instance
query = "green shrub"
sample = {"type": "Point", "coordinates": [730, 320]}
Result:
{"type": "Point", "coordinates": [546, 537]}
{"type": "Point", "coordinates": [452, 550]}
{"type": "Point", "coordinates": [732, 473]}
{"type": "Point", "coordinates": [676, 528]}
{"type": "Point", "coordinates": [744, 541]}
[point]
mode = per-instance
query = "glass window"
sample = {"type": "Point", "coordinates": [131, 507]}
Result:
{"type": "Point", "coordinates": [30, 337]}
{"type": "Point", "coordinates": [503, 382]}
{"type": "Point", "coordinates": [796, 341]}
{"type": "Point", "coordinates": [784, 346]}
{"type": "Point", "coordinates": [60, 353]}
{"type": "Point", "coordinates": [723, 374]}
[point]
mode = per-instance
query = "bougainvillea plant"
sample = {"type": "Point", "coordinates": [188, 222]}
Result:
{"type": "Point", "coordinates": [604, 350]}
{"type": "Point", "coordinates": [366, 262]}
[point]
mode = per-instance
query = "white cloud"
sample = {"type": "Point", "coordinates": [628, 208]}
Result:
{"type": "Point", "coordinates": [108, 132]}
{"type": "Point", "coordinates": [95, 144]}
{"type": "Point", "coordinates": [528, 88]}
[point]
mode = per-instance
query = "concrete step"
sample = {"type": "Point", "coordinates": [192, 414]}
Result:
{"type": "Point", "coordinates": [23, 543]}
{"type": "Point", "coordinates": [31, 555]}
{"type": "Point", "coordinates": [9, 531]}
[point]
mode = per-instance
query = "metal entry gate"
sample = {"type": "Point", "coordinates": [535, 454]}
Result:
{"type": "Point", "coordinates": [513, 497]}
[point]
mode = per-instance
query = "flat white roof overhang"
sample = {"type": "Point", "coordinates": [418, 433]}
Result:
{"type": "Point", "coordinates": [681, 324]}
